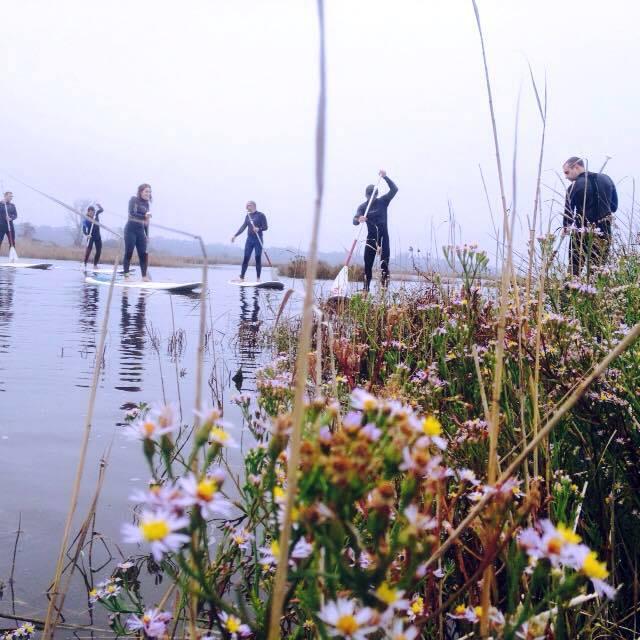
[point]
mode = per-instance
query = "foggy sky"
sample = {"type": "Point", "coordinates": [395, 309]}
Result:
{"type": "Point", "coordinates": [214, 103]}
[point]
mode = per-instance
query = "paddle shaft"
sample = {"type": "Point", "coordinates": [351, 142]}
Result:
{"type": "Point", "coordinates": [366, 211]}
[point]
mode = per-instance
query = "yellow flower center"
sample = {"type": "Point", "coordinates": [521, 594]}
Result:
{"type": "Point", "coordinates": [555, 545]}
{"type": "Point", "coordinates": [111, 588]}
{"type": "Point", "coordinates": [568, 535]}
{"type": "Point", "coordinates": [417, 605]}
{"type": "Point", "coordinates": [347, 625]}
{"type": "Point", "coordinates": [239, 538]}
{"type": "Point", "coordinates": [148, 428]}
{"type": "Point", "coordinates": [275, 549]}
{"type": "Point", "coordinates": [146, 619]}
{"type": "Point", "coordinates": [460, 609]}
{"type": "Point", "coordinates": [431, 426]}
{"type": "Point", "coordinates": [93, 593]}
{"type": "Point", "coordinates": [206, 488]}
{"type": "Point", "coordinates": [233, 624]}
{"type": "Point", "coordinates": [386, 593]}
{"type": "Point", "coordinates": [593, 568]}
{"type": "Point", "coordinates": [278, 493]}
{"type": "Point", "coordinates": [478, 611]}
{"type": "Point", "coordinates": [218, 434]}
{"type": "Point", "coordinates": [154, 530]}
{"type": "Point", "coordinates": [370, 404]}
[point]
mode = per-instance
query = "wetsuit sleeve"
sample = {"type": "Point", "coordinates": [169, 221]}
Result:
{"type": "Point", "coordinates": [262, 226]}
{"type": "Point", "coordinates": [567, 214]}
{"type": "Point", "coordinates": [614, 197]}
{"type": "Point", "coordinates": [243, 227]}
{"type": "Point", "coordinates": [359, 212]}
{"type": "Point", "coordinates": [86, 225]}
{"type": "Point", "coordinates": [132, 206]}
{"type": "Point", "coordinates": [393, 189]}
{"type": "Point", "coordinates": [98, 212]}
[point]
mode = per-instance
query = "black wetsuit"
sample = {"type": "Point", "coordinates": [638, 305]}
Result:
{"type": "Point", "coordinates": [377, 233]}
{"type": "Point", "coordinates": [591, 200]}
{"type": "Point", "coordinates": [135, 234]}
{"type": "Point", "coordinates": [93, 232]}
{"type": "Point", "coordinates": [6, 227]}
{"type": "Point", "coordinates": [254, 240]}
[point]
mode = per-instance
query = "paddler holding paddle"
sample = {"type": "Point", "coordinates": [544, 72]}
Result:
{"type": "Point", "coordinates": [373, 211]}
{"type": "Point", "coordinates": [8, 214]}
{"type": "Point", "coordinates": [255, 222]}
{"type": "Point", "coordinates": [91, 229]}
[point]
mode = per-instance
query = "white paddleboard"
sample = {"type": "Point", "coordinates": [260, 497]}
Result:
{"type": "Point", "coordinates": [26, 265]}
{"type": "Point", "coordinates": [175, 287]}
{"type": "Point", "coordinates": [108, 271]}
{"type": "Point", "coordinates": [340, 287]}
{"type": "Point", "coordinates": [265, 284]}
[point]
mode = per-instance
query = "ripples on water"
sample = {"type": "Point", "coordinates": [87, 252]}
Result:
{"type": "Point", "coordinates": [49, 331]}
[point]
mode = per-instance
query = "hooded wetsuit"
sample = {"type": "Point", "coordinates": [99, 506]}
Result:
{"type": "Point", "coordinates": [377, 233]}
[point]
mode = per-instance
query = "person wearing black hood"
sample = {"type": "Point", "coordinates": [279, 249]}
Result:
{"type": "Point", "coordinates": [377, 230]}
{"type": "Point", "coordinates": [590, 203]}
{"type": "Point", "coordinates": [255, 222]}
{"type": "Point", "coordinates": [135, 231]}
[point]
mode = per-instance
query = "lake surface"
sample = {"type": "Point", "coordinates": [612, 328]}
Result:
{"type": "Point", "coordinates": [49, 329]}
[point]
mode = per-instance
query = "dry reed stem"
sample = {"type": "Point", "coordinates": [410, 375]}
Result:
{"type": "Point", "coordinates": [279, 584]}
{"type": "Point", "coordinates": [568, 404]}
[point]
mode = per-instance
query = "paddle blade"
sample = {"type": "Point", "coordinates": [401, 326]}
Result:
{"type": "Point", "coordinates": [274, 274]}
{"type": "Point", "coordinates": [340, 286]}
{"type": "Point", "coordinates": [13, 255]}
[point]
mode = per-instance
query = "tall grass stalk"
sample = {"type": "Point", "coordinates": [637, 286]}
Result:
{"type": "Point", "coordinates": [304, 342]}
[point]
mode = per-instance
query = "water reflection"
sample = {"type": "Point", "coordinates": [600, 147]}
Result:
{"type": "Point", "coordinates": [88, 308]}
{"type": "Point", "coordinates": [248, 342]}
{"type": "Point", "coordinates": [133, 340]}
{"type": "Point", "coordinates": [7, 278]}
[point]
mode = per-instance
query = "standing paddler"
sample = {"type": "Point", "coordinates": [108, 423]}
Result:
{"type": "Point", "coordinates": [8, 214]}
{"type": "Point", "coordinates": [377, 229]}
{"type": "Point", "coordinates": [91, 229]}
{"type": "Point", "coordinates": [255, 222]}
{"type": "Point", "coordinates": [136, 230]}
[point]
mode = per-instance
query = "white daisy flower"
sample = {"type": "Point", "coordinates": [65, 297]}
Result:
{"type": "Point", "coordinates": [364, 401]}
{"type": "Point", "coordinates": [398, 631]}
{"type": "Point", "coordinates": [218, 435]}
{"type": "Point", "coordinates": [158, 530]}
{"type": "Point", "coordinates": [344, 620]}
{"type": "Point", "coordinates": [234, 625]}
{"type": "Point", "coordinates": [204, 492]}
{"type": "Point", "coordinates": [391, 597]}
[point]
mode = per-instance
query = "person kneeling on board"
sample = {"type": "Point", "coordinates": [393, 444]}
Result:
{"type": "Point", "coordinates": [8, 214]}
{"type": "Point", "coordinates": [377, 230]}
{"type": "Point", "coordinates": [91, 229]}
{"type": "Point", "coordinates": [255, 222]}
{"type": "Point", "coordinates": [135, 231]}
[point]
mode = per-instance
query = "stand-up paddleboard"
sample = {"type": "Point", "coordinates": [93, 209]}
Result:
{"type": "Point", "coordinates": [108, 271]}
{"type": "Point", "coordinates": [171, 287]}
{"type": "Point", "coordinates": [27, 265]}
{"type": "Point", "coordinates": [267, 284]}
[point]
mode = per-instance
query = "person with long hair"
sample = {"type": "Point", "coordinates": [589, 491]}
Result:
{"type": "Point", "coordinates": [136, 230]}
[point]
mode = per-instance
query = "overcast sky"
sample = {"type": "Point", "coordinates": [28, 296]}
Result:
{"type": "Point", "coordinates": [214, 102]}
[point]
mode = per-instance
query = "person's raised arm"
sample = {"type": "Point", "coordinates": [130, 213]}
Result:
{"type": "Point", "coordinates": [393, 189]}
{"type": "Point", "coordinates": [245, 224]}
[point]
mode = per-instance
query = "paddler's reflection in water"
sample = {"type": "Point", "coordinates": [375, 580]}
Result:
{"type": "Point", "coordinates": [248, 346]}
{"type": "Point", "coordinates": [7, 277]}
{"type": "Point", "coordinates": [133, 340]}
{"type": "Point", "coordinates": [88, 314]}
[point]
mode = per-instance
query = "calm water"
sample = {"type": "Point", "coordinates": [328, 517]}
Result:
{"type": "Point", "coordinates": [49, 326]}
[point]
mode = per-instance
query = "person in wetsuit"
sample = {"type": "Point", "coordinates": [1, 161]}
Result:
{"type": "Point", "coordinates": [377, 230]}
{"type": "Point", "coordinates": [590, 203]}
{"type": "Point", "coordinates": [255, 222]}
{"type": "Point", "coordinates": [136, 230]}
{"type": "Point", "coordinates": [92, 231]}
{"type": "Point", "coordinates": [8, 213]}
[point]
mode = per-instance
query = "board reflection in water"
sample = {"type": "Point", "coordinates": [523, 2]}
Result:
{"type": "Point", "coordinates": [133, 340]}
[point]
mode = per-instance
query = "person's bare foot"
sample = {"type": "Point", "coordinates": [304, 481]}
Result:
{"type": "Point", "coordinates": [146, 279]}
